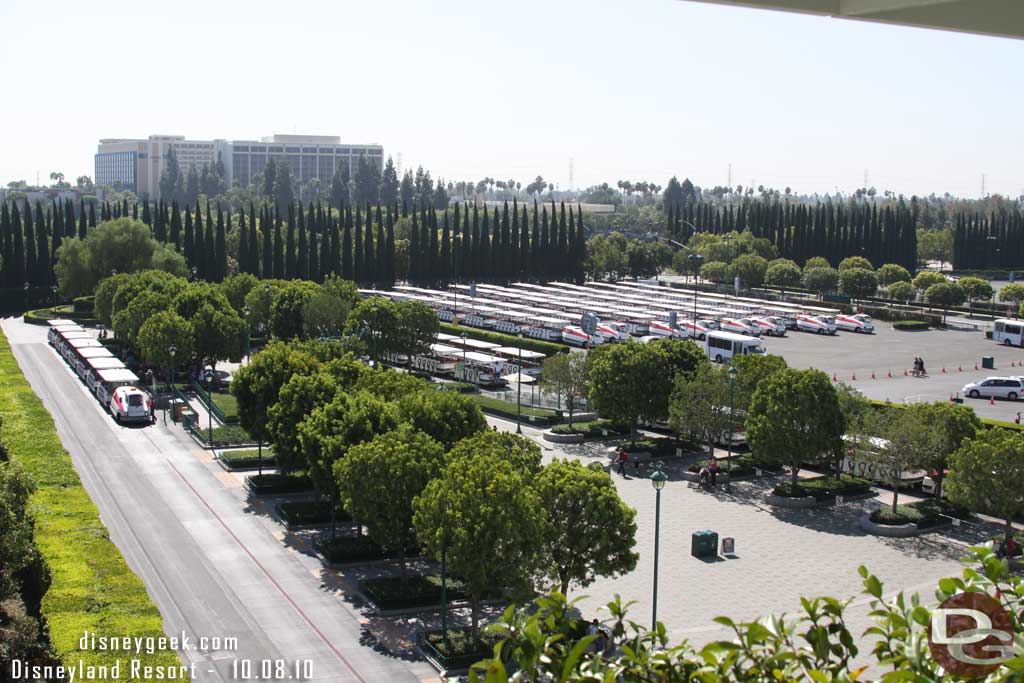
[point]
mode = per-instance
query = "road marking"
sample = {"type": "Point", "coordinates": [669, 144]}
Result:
{"type": "Point", "coordinates": [263, 569]}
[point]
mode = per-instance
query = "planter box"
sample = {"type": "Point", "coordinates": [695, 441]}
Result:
{"type": "Point", "coordinates": [548, 435]}
{"type": "Point", "coordinates": [791, 503]}
{"type": "Point", "coordinates": [272, 484]}
{"type": "Point", "coordinates": [887, 530]}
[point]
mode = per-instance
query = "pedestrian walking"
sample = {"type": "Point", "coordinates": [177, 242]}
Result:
{"type": "Point", "coordinates": [1016, 420]}
{"type": "Point", "coordinates": [713, 471]}
{"type": "Point", "coordinates": [623, 459]}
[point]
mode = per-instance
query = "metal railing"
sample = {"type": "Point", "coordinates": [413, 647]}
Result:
{"type": "Point", "coordinates": [204, 397]}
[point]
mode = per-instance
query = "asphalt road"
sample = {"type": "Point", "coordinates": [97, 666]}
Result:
{"type": "Point", "coordinates": [213, 568]}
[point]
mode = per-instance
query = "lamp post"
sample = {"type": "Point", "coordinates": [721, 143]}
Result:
{"type": "Point", "coordinates": [728, 466]}
{"type": "Point", "coordinates": [658, 479]}
{"type": "Point", "coordinates": [209, 406]}
{"type": "Point", "coordinates": [26, 294]}
{"type": "Point", "coordinates": [53, 290]}
{"type": "Point", "coordinates": [695, 261]}
{"type": "Point", "coordinates": [246, 311]}
{"type": "Point", "coordinates": [728, 258]}
{"type": "Point", "coordinates": [266, 312]}
{"type": "Point", "coordinates": [195, 270]}
{"type": "Point", "coordinates": [171, 350]}
{"type": "Point", "coordinates": [465, 369]}
{"type": "Point", "coordinates": [519, 387]}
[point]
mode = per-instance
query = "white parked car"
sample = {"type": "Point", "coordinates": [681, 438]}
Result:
{"type": "Point", "coordinates": [859, 322]}
{"type": "Point", "coordinates": [769, 326]}
{"type": "Point", "coordinates": [739, 326]}
{"type": "Point", "coordinates": [1010, 388]}
{"type": "Point", "coordinates": [131, 404]}
{"type": "Point", "coordinates": [820, 324]}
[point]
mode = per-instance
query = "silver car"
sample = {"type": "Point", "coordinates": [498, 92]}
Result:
{"type": "Point", "coordinates": [1010, 388]}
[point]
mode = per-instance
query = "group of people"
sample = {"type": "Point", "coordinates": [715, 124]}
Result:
{"type": "Point", "coordinates": [708, 477]}
{"type": "Point", "coordinates": [918, 370]}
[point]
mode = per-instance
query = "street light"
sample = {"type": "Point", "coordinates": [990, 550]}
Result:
{"type": "Point", "coordinates": [658, 479]}
{"type": "Point", "coordinates": [519, 387]}
{"type": "Point", "coordinates": [728, 466]}
{"type": "Point", "coordinates": [26, 294]}
{"type": "Point", "coordinates": [53, 289]}
{"type": "Point", "coordinates": [172, 349]}
{"type": "Point", "coordinates": [695, 261]}
{"type": "Point", "coordinates": [194, 271]}
{"type": "Point", "coordinates": [246, 311]}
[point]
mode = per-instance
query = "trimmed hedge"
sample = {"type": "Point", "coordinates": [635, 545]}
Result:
{"type": "Point", "coordinates": [394, 592]}
{"type": "Point", "coordinates": [352, 549]}
{"type": "Point", "coordinates": [462, 651]}
{"type": "Point", "coordinates": [592, 429]}
{"type": "Point", "coordinates": [310, 512]}
{"type": "Point", "coordinates": [911, 325]}
{"type": "Point", "coordinates": [986, 423]}
{"type": "Point", "coordinates": [539, 345]}
{"type": "Point", "coordinates": [267, 484]}
{"type": "Point", "coordinates": [92, 587]}
{"type": "Point", "coordinates": [825, 487]}
{"type": "Point", "coordinates": [924, 513]}
{"type": "Point", "coordinates": [83, 304]}
{"type": "Point", "coordinates": [507, 409]}
{"type": "Point", "coordinates": [246, 458]}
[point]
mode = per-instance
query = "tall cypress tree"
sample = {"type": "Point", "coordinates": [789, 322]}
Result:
{"type": "Point", "coordinates": [333, 226]}
{"type": "Point", "coordinates": [524, 246]}
{"type": "Point", "coordinates": [83, 220]}
{"type": "Point", "coordinates": [543, 254]}
{"type": "Point", "coordinates": [369, 253]}
{"type": "Point", "coordinates": [289, 246]}
{"type": "Point", "coordinates": [326, 262]}
{"type": "Point", "coordinates": [514, 264]}
{"type": "Point", "coordinates": [278, 245]}
{"type": "Point", "coordinates": [389, 251]}
{"type": "Point", "coordinates": [69, 218]}
{"type": "Point", "coordinates": [199, 246]}
{"type": "Point", "coordinates": [92, 215]}
{"type": "Point", "coordinates": [254, 249]}
{"type": "Point", "coordinates": [267, 236]}
{"type": "Point", "coordinates": [17, 248]}
{"type": "Point", "coordinates": [221, 249]}
{"type": "Point", "coordinates": [347, 267]}
{"type": "Point", "coordinates": [175, 231]}
{"type": "Point", "coordinates": [358, 273]}
{"type": "Point", "coordinates": [190, 239]}
{"type": "Point", "coordinates": [302, 259]}
{"type": "Point", "coordinates": [465, 246]}
{"type": "Point", "coordinates": [56, 237]}
{"type": "Point", "coordinates": [6, 245]}
{"type": "Point", "coordinates": [147, 215]}
{"type": "Point", "coordinates": [44, 225]}
{"type": "Point", "coordinates": [562, 254]}
{"type": "Point", "coordinates": [31, 264]}
{"type": "Point", "coordinates": [380, 258]}
{"type": "Point", "coordinates": [445, 271]}
{"type": "Point", "coordinates": [243, 243]}
{"type": "Point", "coordinates": [474, 245]}
{"type": "Point", "coordinates": [433, 258]}
{"type": "Point", "coordinates": [535, 244]}
{"type": "Point", "coordinates": [415, 250]}
{"type": "Point", "coordinates": [484, 248]}
{"type": "Point", "coordinates": [313, 267]}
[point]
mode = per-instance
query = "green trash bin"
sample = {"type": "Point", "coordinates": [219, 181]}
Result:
{"type": "Point", "coordinates": [988, 362]}
{"type": "Point", "coordinates": [704, 543]}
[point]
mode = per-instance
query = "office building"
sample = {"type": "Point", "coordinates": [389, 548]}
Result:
{"type": "Point", "coordinates": [137, 164]}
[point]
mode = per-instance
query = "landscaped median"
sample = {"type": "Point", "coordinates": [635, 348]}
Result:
{"type": "Point", "coordinates": [92, 588]}
{"type": "Point", "coordinates": [816, 491]}
{"type": "Point", "coordinates": [507, 410]}
{"type": "Point", "coordinates": [913, 518]}
{"type": "Point", "coordinates": [245, 458]}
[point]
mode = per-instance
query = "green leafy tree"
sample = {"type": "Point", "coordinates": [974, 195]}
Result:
{"type": "Point", "coordinates": [217, 334]}
{"type": "Point", "coordinates": [902, 291]}
{"type": "Point", "coordinates": [715, 271]}
{"type": "Point", "coordinates": [300, 396]}
{"type": "Point", "coordinates": [751, 371]}
{"type": "Point", "coordinates": [127, 321]}
{"type": "Point", "coordinates": [324, 315]}
{"type": "Point", "coordinates": [236, 288]}
{"type": "Point", "coordinates": [590, 532]}
{"type": "Point", "coordinates": [375, 320]}
{"type": "Point", "coordinates": [1013, 293]}
{"type": "Point", "coordinates": [855, 262]}
{"type": "Point", "coordinates": [490, 521]}
{"type": "Point", "coordinates": [286, 308]}
{"type": "Point", "coordinates": [417, 328]}
{"type": "Point", "coordinates": [946, 295]}
{"type": "Point", "coordinates": [751, 268]}
{"type": "Point", "coordinates": [257, 384]}
{"type": "Point", "coordinates": [699, 406]}
{"type": "Point", "coordinates": [926, 278]}
{"type": "Point", "coordinates": [122, 246]}
{"type": "Point", "coordinates": [379, 480]}
{"type": "Point", "coordinates": [794, 418]}
{"type": "Point", "coordinates": [159, 333]}
{"type": "Point", "coordinates": [816, 262]}
{"type": "Point", "coordinates": [858, 283]}
{"type": "Point", "coordinates": [783, 274]}
{"type": "Point", "coordinates": [892, 272]}
{"type": "Point", "coordinates": [975, 289]}
{"type": "Point", "coordinates": [522, 453]}
{"type": "Point", "coordinates": [953, 424]}
{"type": "Point", "coordinates": [390, 385]}
{"type": "Point", "coordinates": [905, 442]}
{"type": "Point", "coordinates": [625, 380]}
{"type": "Point", "coordinates": [568, 376]}
{"type": "Point", "coordinates": [986, 475]}
{"type": "Point", "coordinates": [821, 280]}
{"type": "Point", "coordinates": [445, 416]}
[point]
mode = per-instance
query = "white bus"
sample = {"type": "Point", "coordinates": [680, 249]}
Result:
{"type": "Point", "coordinates": [721, 346]}
{"type": "Point", "coordinates": [1008, 332]}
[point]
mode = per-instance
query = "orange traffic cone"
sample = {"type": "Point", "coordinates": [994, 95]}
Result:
{"type": "Point", "coordinates": [943, 371]}
{"type": "Point", "coordinates": [960, 368]}
{"type": "Point", "coordinates": [905, 373]}
{"type": "Point", "coordinates": [992, 400]}
{"type": "Point", "coordinates": [854, 378]}
{"type": "Point", "coordinates": [834, 377]}
{"type": "Point", "coordinates": [890, 374]}
{"type": "Point", "coordinates": [873, 375]}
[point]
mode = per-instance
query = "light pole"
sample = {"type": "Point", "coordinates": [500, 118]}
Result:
{"type": "Point", "coordinates": [194, 271]}
{"type": "Point", "coordinates": [246, 311]}
{"type": "Point", "coordinates": [519, 387]}
{"type": "Point", "coordinates": [728, 466]}
{"type": "Point", "coordinates": [728, 258]}
{"type": "Point", "coordinates": [171, 350]}
{"type": "Point", "coordinates": [465, 369]}
{"type": "Point", "coordinates": [658, 479]}
{"type": "Point", "coordinates": [53, 290]}
{"type": "Point", "coordinates": [266, 313]}
{"type": "Point", "coordinates": [695, 261]}
{"type": "Point", "coordinates": [209, 407]}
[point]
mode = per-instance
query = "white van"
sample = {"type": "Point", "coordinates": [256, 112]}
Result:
{"type": "Point", "coordinates": [739, 326]}
{"type": "Point", "coordinates": [858, 322]}
{"type": "Point", "coordinates": [820, 324]}
{"type": "Point", "coordinates": [770, 326]}
{"type": "Point", "coordinates": [130, 404]}
{"type": "Point", "coordinates": [1008, 332]}
{"type": "Point", "coordinates": [721, 346]}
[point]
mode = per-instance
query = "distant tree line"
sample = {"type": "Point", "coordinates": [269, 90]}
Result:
{"type": "Point", "coordinates": [994, 240]}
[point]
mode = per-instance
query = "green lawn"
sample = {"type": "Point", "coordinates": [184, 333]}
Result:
{"type": "Point", "coordinates": [92, 588]}
{"type": "Point", "coordinates": [509, 407]}
{"type": "Point", "coordinates": [227, 403]}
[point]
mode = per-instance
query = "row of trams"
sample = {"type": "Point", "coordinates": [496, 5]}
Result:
{"type": "Point", "coordinates": [107, 378]}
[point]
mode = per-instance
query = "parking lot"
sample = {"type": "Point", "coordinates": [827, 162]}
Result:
{"type": "Point", "coordinates": [848, 355]}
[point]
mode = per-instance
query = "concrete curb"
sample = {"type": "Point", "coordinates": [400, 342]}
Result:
{"type": "Point", "coordinates": [886, 530]}
{"type": "Point", "coordinates": [548, 435]}
{"type": "Point", "coordinates": [789, 503]}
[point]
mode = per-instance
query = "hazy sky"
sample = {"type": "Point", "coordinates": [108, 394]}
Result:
{"type": "Point", "coordinates": [638, 89]}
